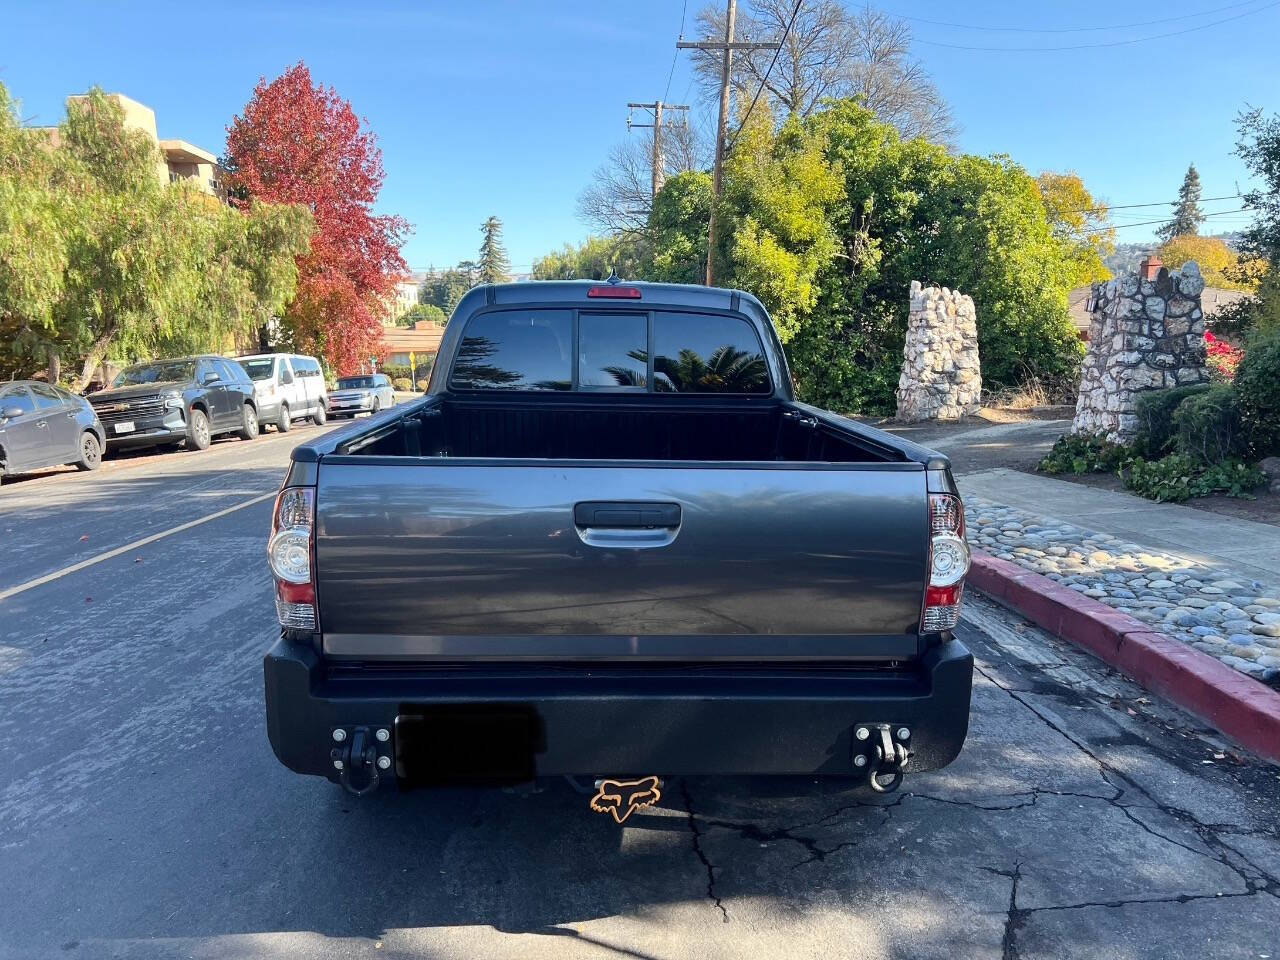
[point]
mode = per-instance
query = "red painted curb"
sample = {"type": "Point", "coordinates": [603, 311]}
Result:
{"type": "Point", "coordinates": [1242, 708]}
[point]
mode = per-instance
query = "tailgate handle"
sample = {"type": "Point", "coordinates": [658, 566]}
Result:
{"type": "Point", "coordinates": [618, 514]}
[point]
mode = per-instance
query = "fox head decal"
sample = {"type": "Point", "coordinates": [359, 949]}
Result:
{"type": "Point", "coordinates": [622, 797]}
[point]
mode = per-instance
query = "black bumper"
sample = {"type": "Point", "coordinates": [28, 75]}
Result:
{"type": "Point", "coordinates": [648, 719]}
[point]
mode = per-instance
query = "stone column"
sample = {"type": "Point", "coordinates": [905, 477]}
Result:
{"type": "Point", "coordinates": [1146, 333]}
{"type": "Point", "coordinates": [941, 379]}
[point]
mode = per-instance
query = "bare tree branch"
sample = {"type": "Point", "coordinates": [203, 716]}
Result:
{"type": "Point", "coordinates": [830, 51]}
{"type": "Point", "coordinates": [618, 198]}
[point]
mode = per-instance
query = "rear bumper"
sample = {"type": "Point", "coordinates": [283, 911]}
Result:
{"type": "Point", "coordinates": [646, 719]}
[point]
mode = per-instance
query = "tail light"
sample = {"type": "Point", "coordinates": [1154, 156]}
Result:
{"type": "Point", "coordinates": [948, 563]}
{"type": "Point", "coordinates": [291, 552]}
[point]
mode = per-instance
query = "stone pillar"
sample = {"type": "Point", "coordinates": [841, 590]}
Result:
{"type": "Point", "coordinates": [1146, 333]}
{"type": "Point", "coordinates": [941, 379]}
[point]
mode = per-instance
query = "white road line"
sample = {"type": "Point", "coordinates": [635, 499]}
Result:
{"type": "Point", "coordinates": [75, 567]}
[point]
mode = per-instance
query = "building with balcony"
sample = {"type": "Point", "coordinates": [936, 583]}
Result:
{"type": "Point", "coordinates": [178, 160]}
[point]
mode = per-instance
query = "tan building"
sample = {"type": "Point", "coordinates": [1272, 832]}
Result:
{"type": "Point", "coordinates": [405, 296]}
{"type": "Point", "coordinates": [422, 339]}
{"type": "Point", "coordinates": [179, 160]}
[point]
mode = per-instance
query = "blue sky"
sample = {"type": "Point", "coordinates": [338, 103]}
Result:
{"type": "Point", "coordinates": [506, 108]}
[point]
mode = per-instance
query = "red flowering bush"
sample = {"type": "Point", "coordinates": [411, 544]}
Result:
{"type": "Point", "coordinates": [1223, 357]}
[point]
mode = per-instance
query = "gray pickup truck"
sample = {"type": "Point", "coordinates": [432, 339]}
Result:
{"type": "Point", "coordinates": [609, 542]}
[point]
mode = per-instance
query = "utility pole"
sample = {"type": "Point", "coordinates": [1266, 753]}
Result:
{"type": "Point", "coordinates": [659, 158]}
{"type": "Point", "coordinates": [722, 128]}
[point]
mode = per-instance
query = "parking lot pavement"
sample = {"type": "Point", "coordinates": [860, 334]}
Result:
{"type": "Point", "coordinates": [142, 813]}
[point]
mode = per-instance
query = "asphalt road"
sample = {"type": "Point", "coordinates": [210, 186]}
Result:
{"type": "Point", "coordinates": [142, 813]}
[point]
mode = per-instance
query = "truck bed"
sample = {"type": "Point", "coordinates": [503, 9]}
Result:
{"type": "Point", "coordinates": [624, 428]}
{"type": "Point", "coordinates": [454, 529]}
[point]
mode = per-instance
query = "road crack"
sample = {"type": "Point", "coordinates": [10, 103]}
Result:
{"type": "Point", "coordinates": [1218, 851]}
{"type": "Point", "coordinates": [696, 834]}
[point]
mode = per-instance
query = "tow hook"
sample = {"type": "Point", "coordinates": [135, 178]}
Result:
{"type": "Point", "coordinates": [881, 750]}
{"type": "Point", "coordinates": [356, 751]}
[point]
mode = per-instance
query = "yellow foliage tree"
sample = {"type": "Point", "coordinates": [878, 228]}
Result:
{"type": "Point", "coordinates": [1220, 265]}
{"type": "Point", "coordinates": [1080, 223]}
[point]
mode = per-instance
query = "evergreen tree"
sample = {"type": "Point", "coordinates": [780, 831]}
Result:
{"type": "Point", "coordinates": [494, 265]}
{"type": "Point", "coordinates": [1187, 217]}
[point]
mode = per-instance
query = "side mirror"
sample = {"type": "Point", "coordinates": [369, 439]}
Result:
{"type": "Point", "coordinates": [286, 377]}
{"type": "Point", "coordinates": [11, 412]}
{"type": "Point", "coordinates": [211, 377]}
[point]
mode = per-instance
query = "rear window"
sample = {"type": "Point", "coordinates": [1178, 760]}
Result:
{"type": "Point", "coordinates": [612, 350]}
{"type": "Point", "coordinates": [515, 350]}
{"type": "Point", "coordinates": [701, 353]}
{"type": "Point", "coordinates": [533, 350]}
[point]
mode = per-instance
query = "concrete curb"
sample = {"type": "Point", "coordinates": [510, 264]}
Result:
{"type": "Point", "coordinates": [1244, 709]}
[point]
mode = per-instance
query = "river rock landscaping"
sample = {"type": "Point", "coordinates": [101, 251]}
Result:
{"type": "Point", "coordinates": [1232, 618]}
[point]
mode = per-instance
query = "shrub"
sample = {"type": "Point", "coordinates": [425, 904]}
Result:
{"type": "Point", "coordinates": [422, 383]}
{"type": "Point", "coordinates": [1232, 477]}
{"type": "Point", "coordinates": [1223, 357]}
{"type": "Point", "coordinates": [1257, 386]}
{"type": "Point", "coordinates": [1082, 453]}
{"type": "Point", "coordinates": [1177, 477]}
{"type": "Point", "coordinates": [1165, 481]}
{"type": "Point", "coordinates": [1207, 425]}
{"type": "Point", "coordinates": [404, 384]}
{"type": "Point", "coordinates": [1155, 410]}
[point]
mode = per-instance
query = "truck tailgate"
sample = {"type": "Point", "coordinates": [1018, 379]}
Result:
{"type": "Point", "coordinates": [423, 561]}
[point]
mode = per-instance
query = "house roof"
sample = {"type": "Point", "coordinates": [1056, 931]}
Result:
{"type": "Point", "coordinates": [423, 338]}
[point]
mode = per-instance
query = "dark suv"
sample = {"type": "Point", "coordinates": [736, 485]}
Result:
{"type": "Point", "coordinates": [189, 400]}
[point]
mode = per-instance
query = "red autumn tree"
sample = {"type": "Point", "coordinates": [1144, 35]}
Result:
{"type": "Point", "coordinates": [299, 142]}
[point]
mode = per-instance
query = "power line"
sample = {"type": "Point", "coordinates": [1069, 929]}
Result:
{"type": "Point", "coordinates": [1109, 43]}
{"type": "Point", "coordinates": [747, 116]}
{"type": "Point", "coordinates": [684, 8]}
{"type": "Point", "coordinates": [1114, 26]}
{"type": "Point", "coordinates": [1147, 223]}
{"type": "Point", "coordinates": [1106, 208]}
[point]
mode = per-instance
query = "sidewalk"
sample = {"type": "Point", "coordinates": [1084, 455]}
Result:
{"type": "Point", "coordinates": [1226, 544]}
{"type": "Point", "coordinates": [1209, 581]}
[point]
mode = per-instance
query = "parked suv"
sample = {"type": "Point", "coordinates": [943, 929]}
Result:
{"type": "Point", "coordinates": [189, 400]}
{"type": "Point", "coordinates": [42, 425]}
{"type": "Point", "coordinates": [287, 387]}
{"type": "Point", "coordinates": [364, 394]}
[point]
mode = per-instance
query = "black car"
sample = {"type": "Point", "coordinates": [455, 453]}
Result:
{"type": "Point", "coordinates": [189, 400]}
{"type": "Point", "coordinates": [42, 425]}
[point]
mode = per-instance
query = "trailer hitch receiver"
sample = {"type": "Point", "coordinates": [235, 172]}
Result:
{"type": "Point", "coordinates": [356, 758]}
{"type": "Point", "coordinates": [882, 750]}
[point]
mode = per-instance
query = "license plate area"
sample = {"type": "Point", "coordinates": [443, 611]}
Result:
{"type": "Point", "coordinates": [125, 426]}
{"type": "Point", "coordinates": [467, 744]}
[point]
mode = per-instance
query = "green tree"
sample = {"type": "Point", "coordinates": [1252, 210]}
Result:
{"type": "Point", "coordinates": [830, 219]}
{"type": "Point", "coordinates": [127, 282]}
{"type": "Point", "coordinates": [1081, 223]}
{"type": "Point", "coordinates": [422, 311]}
{"type": "Point", "coordinates": [101, 257]}
{"type": "Point", "coordinates": [678, 230]}
{"type": "Point", "coordinates": [1187, 215]}
{"type": "Point", "coordinates": [493, 266]}
{"type": "Point", "coordinates": [445, 288]}
{"type": "Point", "coordinates": [36, 216]}
{"type": "Point", "coordinates": [1258, 145]}
{"type": "Point", "coordinates": [594, 259]}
